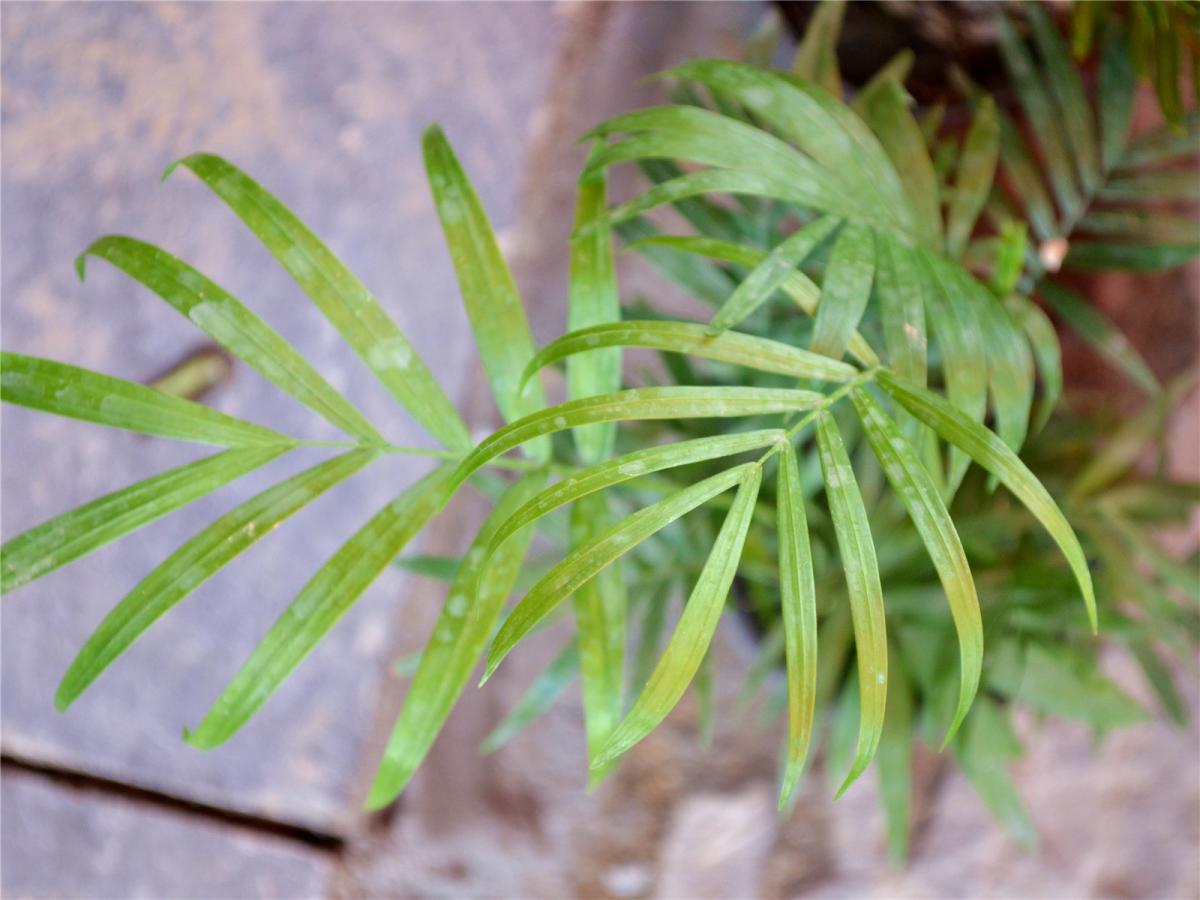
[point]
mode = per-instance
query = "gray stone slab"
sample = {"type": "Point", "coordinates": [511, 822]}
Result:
{"type": "Point", "coordinates": [325, 105]}
{"type": "Point", "coordinates": [58, 841]}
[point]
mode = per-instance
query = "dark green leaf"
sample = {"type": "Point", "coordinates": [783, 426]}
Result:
{"type": "Point", "coordinates": [1072, 101]}
{"type": "Point", "coordinates": [1134, 257]}
{"type": "Point", "coordinates": [886, 109]}
{"type": "Point", "coordinates": [973, 179]}
{"type": "Point", "coordinates": [1044, 119]}
{"type": "Point", "coordinates": [1101, 334]}
{"type": "Point", "coordinates": [1043, 341]}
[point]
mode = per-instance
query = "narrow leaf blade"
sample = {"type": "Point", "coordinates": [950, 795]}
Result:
{"type": "Point", "coordinates": [919, 494]}
{"type": "Point", "coordinates": [857, 550]}
{"type": "Point", "coordinates": [694, 632]}
{"type": "Point", "coordinates": [65, 538]}
{"type": "Point", "coordinates": [489, 293]}
{"type": "Point", "coordinates": [338, 294]}
{"type": "Point", "coordinates": [991, 453]}
{"type": "Point", "coordinates": [194, 562]}
{"type": "Point", "coordinates": [66, 390]}
{"type": "Point", "coordinates": [798, 601]}
{"type": "Point", "coordinates": [687, 337]}
{"type": "Point", "coordinates": [473, 604]}
{"type": "Point", "coordinates": [227, 321]}
{"type": "Point", "coordinates": [324, 600]}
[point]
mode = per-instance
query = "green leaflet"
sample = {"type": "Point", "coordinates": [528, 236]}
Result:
{"type": "Point", "coordinates": [703, 215]}
{"type": "Point", "coordinates": [1163, 144]}
{"type": "Point", "coordinates": [687, 337]}
{"type": "Point", "coordinates": [886, 109]}
{"type": "Point", "coordinates": [338, 294]}
{"type": "Point", "coordinates": [1125, 444]}
{"type": "Point", "coordinates": [991, 453]}
{"type": "Point", "coordinates": [1026, 179]}
{"type": "Point", "coordinates": [489, 294]}
{"type": "Point", "coordinates": [1161, 680]}
{"type": "Point", "coordinates": [694, 632]}
{"type": "Point", "coordinates": [65, 538]}
{"type": "Point", "coordinates": [1010, 258]}
{"type": "Point", "coordinates": [654, 619]}
{"type": "Point", "coordinates": [600, 607]}
{"type": "Point", "coordinates": [919, 494]}
{"type": "Point", "coordinates": [1117, 85]}
{"type": "Point", "coordinates": [1009, 359]}
{"type": "Point", "coordinates": [1063, 685]}
{"type": "Point", "coordinates": [973, 178]}
{"type": "Point", "coordinates": [798, 286]}
{"type": "Point", "coordinates": [1039, 107]}
{"type": "Point", "coordinates": [895, 763]}
{"type": "Point", "coordinates": [537, 700]}
{"type": "Point", "coordinates": [798, 602]}
{"type": "Point", "coordinates": [592, 299]}
{"type": "Point", "coordinates": [1135, 257]}
{"type": "Point", "coordinates": [603, 475]}
{"type": "Point", "coordinates": [987, 745]}
{"type": "Point", "coordinates": [816, 57]}
{"type": "Point", "coordinates": [1141, 226]}
{"type": "Point", "coordinates": [474, 602]}
{"type": "Point", "coordinates": [639, 403]}
{"type": "Point", "coordinates": [845, 291]}
{"type": "Point", "coordinates": [324, 600]}
{"type": "Point", "coordinates": [194, 562]}
{"type": "Point", "coordinates": [857, 549]}
{"type": "Point", "coordinates": [963, 354]}
{"type": "Point", "coordinates": [724, 181]}
{"type": "Point", "coordinates": [698, 277]}
{"type": "Point", "coordinates": [584, 562]}
{"type": "Point", "coordinates": [1105, 338]}
{"type": "Point", "coordinates": [820, 125]}
{"type": "Point", "coordinates": [1043, 341]}
{"type": "Point", "coordinates": [901, 292]}
{"type": "Point", "coordinates": [701, 136]}
{"type": "Point", "coordinates": [222, 317]}
{"type": "Point", "coordinates": [770, 274]}
{"type": "Point", "coordinates": [67, 390]}
{"type": "Point", "coordinates": [1181, 185]}
{"type": "Point", "coordinates": [895, 71]}
{"type": "Point", "coordinates": [440, 568]}
{"type": "Point", "coordinates": [1079, 129]}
